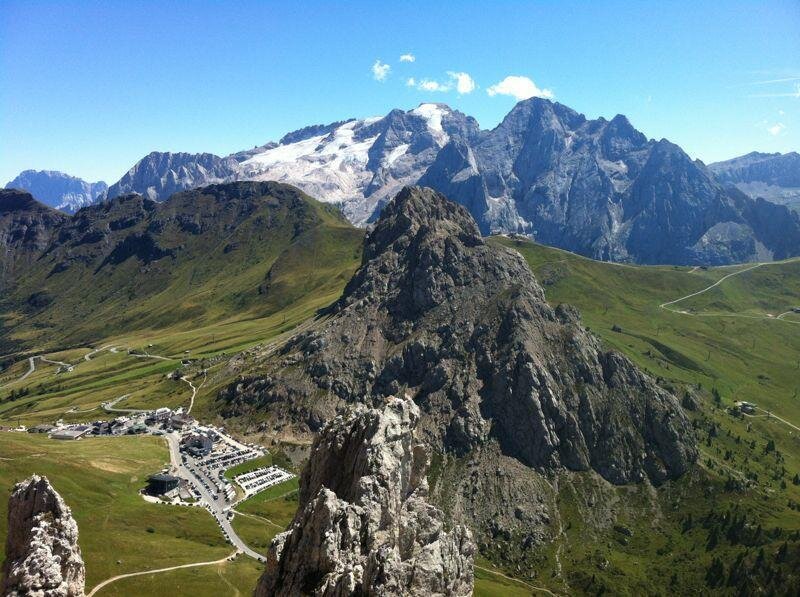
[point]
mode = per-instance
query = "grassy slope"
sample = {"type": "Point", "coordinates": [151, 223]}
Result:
{"type": "Point", "coordinates": [245, 265]}
{"type": "Point", "coordinates": [753, 359]}
{"type": "Point", "coordinates": [99, 479]}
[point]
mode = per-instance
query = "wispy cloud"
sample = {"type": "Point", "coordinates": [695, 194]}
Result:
{"type": "Point", "coordinates": [795, 93]}
{"type": "Point", "coordinates": [380, 70]}
{"type": "Point", "coordinates": [772, 81]}
{"type": "Point", "coordinates": [776, 129]}
{"type": "Point", "coordinates": [407, 58]}
{"type": "Point", "coordinates": [519, 87]}
{"type": "Point", "coordinates": [463, 83]}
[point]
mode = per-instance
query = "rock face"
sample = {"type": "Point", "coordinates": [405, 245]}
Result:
{"type": "Point", "coordinates": [42, 552]}
{"type": "Point", "coordinates": [160, 174]}
{"type": "Point", "coordinates": [364, 526]}
{"type": "Point", "coordinates": [499, 375]}
{"type": "Point", "coordinates": [599, 188]}
{"type": "Point", "coordinates": [771, 176]}
{"type": "Point", "coordinates": [58, 190]}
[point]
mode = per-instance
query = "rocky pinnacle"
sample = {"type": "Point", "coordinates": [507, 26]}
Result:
{"type": "Point", "coordinates": [42, 553]}
{"type": "Point", "coordinates": [364, 525]}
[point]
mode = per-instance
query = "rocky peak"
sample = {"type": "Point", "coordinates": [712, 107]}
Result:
{"type": "Point", "coordinates": [42, 552]}
{"type": "Point", "coordinates": [464, 327]}
{"type": "Point", "coordinates": [420, 213]}
{"type": "Point", "coordinates": [364, 526]}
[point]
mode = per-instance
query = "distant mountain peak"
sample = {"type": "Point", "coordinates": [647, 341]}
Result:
{"type": "Point", "coordinates": [59, 190]}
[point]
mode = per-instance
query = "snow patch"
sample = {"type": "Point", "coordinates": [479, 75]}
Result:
{"type": "Point", "coordinates": [432, 114]}
{"type": "Point", "coordinates": [396, 153]}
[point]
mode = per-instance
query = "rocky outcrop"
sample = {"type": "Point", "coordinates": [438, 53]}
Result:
{"type": "Point", "coordinates": [364, 526]}
{"type": "Point", "coordinates": [42, 553]}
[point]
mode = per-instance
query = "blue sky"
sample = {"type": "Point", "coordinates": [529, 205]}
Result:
{"type": "Point", "coordinates": [90, 87]}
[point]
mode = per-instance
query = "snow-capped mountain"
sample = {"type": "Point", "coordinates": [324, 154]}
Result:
{"type": "Point", "coordinates": [58, 190]}
{"type": "Point", "coordinates": [360, 163]}
{"type": "Point", "coordinates": [596, 187]}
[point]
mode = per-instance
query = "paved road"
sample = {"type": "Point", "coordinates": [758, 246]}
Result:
{"type": "Point", "coordinates": [88, 357]}
{"type": "Point", "coordinates": [108, 581]}
{"type": "Point", "coordinates": [216, 507]}
{"type": "Point", "coordinates": [31, 369]}
{"type": "Point", "coordinates": [109, 406]}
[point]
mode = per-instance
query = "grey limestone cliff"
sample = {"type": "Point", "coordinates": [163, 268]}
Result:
{"type": "Point", "coordinates": [364, 526]}
{"type": "Point", "coordinates": [42, 553]}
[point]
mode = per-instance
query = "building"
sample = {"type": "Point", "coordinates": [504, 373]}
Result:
{"type": "Point", "coordinates": [197, 444]}
{"type": "Point", "coordinates": [102, 428]}
{"type": "Point", "coordinates": [747, 407]}
{"type": "Point", "coordinates": [180, 420]}
{"type": "Point", "coordinates": [162, 483]}
{"type": "Point", "coordinates": [72, 433]}
{"type": "Point", "coordinates": [137, 428]}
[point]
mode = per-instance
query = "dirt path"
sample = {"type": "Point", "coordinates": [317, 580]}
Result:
{"type": "Point", "coordinates": [194, 390]}
{"type": "Point", "coordinates": [120, 576]}
{"type": "Point", "coordinates": [516, 580]}
{"type": "Point", "coordinates": [666, 306]}
{"type": "Point", "coordinates": [257, 517]}
{"type": "Point", "coordinates": [699, 292]}
{"type": "Point", "coordinates": [771, 415]}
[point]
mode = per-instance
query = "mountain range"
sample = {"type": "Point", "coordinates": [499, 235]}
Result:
{"type": "Point", "coordinates": [599, 188]}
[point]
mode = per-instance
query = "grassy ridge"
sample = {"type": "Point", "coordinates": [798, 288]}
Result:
{"type": "Point", "coordinates": [219, 254]}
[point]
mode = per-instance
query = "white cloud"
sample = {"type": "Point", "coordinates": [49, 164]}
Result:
{"type": "Point", "coordinates": [380, 70]}
{"type": "Point", "coordinates": [407, 58]}
{"type": "Point", "coordinates": [461, 82]}
{"type": "Point", "coordinates": [776, 129]}
{"type": "Point", "coordinates": [429, 85]}
{"type": "Point", "coordinates": [464, 83]}
{"type": "Point", "coordinates": [519, 87]}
